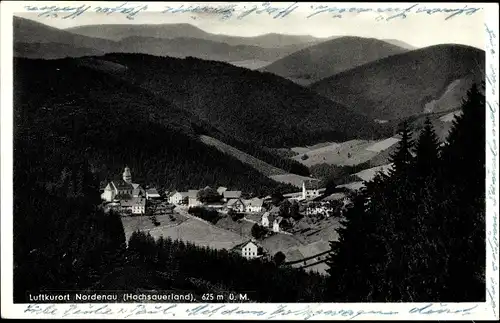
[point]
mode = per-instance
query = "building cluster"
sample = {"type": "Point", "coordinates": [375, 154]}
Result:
{"type": "Point", "coordinates": [227, 200]}
{"type": "Point", "coordinates": [128, 197]}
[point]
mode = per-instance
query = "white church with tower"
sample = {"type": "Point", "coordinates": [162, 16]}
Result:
{"type": "Point", "coordinates": [122, 189]}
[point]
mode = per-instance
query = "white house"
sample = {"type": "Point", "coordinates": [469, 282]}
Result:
{"type": "Point", "coordinates": [122, 187]}
{"type": "Point", "coordinates": [265, 220]}
{"type": "Point", "coordinates": [311, 189]}
{"type": "Point", "coordinates": [178, 198]}
{"type": "Point", "coordinates": [152, 193]}
{"type": "Point", "coordinates": [236, 204]}
{"type": "Point", "coordinates": [247, 249]}
{"type": "Point", "coordinates": [139, 206]}
{"type": "Point", "coordinates": [193, 198]}
{"type": "Point", "coordinates": [254, 205]}
{"type": "Point", "coordinates": [276, 224]}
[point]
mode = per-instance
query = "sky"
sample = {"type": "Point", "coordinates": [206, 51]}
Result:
{"type": "Point", "coordinates": [420, 28]}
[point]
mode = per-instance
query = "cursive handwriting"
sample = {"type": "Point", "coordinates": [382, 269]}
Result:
{"type": "Point", "coordinates": [225, 11]}
{"type": "Point", "coordinates": [281, 311]}
{"type": "Point", "coordinates": [241, 11]}
{"type": "Point", "coordinates": [492, 152]}
{"type": "Point", "coordinates": [67, 12]}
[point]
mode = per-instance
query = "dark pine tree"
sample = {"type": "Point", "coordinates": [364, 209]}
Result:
{"type": "Point", "coordinates": [463, 161]}
{"type": "Point", "coordinates": [427, 151]}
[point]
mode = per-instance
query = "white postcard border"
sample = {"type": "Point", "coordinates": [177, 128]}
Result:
{"type": "Point", "coordinates": [292, 311]}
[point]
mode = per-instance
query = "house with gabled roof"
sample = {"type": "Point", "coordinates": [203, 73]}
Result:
{"type": "Point", "coordinates": [227, 195]}
{"type": "Point", "coordinates": [178, 198]}
{"type": "Point", "coordinates": [248, 249]}
{"type": "Point", "coordinates": [236, 204]}
{"type": "Point", "coordinates": [193, 198]}
{"type": "Point", "coordinates": [152, 193]}
{"type": "Point", "coordinates": [311, 189]}
{"type": "Point", "coordinates": [254, 205]}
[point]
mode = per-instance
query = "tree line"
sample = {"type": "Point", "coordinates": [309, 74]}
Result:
{"type": "Point", "coordinates": [417, 234]}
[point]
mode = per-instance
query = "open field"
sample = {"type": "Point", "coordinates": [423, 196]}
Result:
{"type": "Point", "coordinates": [292, 179]}
{"type": "Point", "coordinates": [185, 229]}
{"type": "Point", "coordinates": [347, 153]}
{"type": "Point", "coordinates": [266, 169]}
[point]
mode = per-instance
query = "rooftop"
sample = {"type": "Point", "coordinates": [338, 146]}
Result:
{"type": "Point", "coordinates": [312, 184]}
{"type": "Point", "coordinates": [232, 194]}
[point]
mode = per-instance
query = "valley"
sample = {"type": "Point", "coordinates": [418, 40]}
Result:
{"type": "Point", "coordinates": [249, 155]}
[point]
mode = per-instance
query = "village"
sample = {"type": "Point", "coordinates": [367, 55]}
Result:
{"type": "Point", "coordinates": [272, 223]}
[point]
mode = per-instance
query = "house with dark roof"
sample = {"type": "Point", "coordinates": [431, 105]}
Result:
{"type": "Point", "coordinates": [311, 189]}
{"type": "Point", "coordinates": [227, 195]}
{"type": "Point", "coordinates": [152, 193]}
{"type": "Point", "coordinates": [248, 249]}
{"type": "Point", "coordinates": [236, 204]}
{"type": "Point", "coordinates": [254, 205]}
{"type": "Point", "coordinates": [135, 205]}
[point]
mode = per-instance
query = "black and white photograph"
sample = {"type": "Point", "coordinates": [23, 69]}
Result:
{"type": "Point", "coordinates": [267, 153]}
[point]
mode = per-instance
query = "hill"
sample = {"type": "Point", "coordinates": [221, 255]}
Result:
{"type": "Point", "coordinates": [52, 50]}
{"type": "Point", "coordinates": [400, 43]}
{"type": "Point", "coordinates": [109, 122]}
{"type": "Point", "coordinates": [331, 57]}
{"type": "Point", "coordinates": [118, 32]}
{"type": "Point", "coordinates": [403, 85]}
{"type": "Point", "coordinates": [248, 105]}
{"type": "Point", "coordinates": [200, 48]}
{"type": "Point", "coordinates": [36, 40]}
{"type": "Point", "coordinates": [31, 32]}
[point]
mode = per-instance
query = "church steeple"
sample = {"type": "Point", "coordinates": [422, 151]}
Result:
{"type": "Point", "coordinates": [127, 176]}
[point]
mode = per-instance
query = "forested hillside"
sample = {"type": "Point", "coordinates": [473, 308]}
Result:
{"type": "Point", "coordinates": [248, 105]}
{"type": "Point", "coordinates": [423, 224]}
{"type": "Point", "coordinates": [112, 123]}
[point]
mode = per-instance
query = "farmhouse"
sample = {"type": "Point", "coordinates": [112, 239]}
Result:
{"type": "Point", "coordinates": [193, 198]}
{"type": "Point", "coordinates": [139, 206]}
{"type": "Point", "coordinates": [311, 189]}
{"type": "Point", "coordinates": [178, 198]}
{"type": "Point", "coordinates": [152, 193]}
{"type": "Point", "coordinates": [121, 189]}
{"type": "Point", "coordinates": [227, 195]}
{"type": "Point", "coordinates": [254, 205]}
{"type": "Point", "coordinates": [236, 204]}
{"type": "Point", "coordinates": [135, 205]}
{"type": "Point", "coordinates": [249, 249]}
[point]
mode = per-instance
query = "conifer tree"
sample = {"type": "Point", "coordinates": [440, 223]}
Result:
{"type": "Point", "coordinates": [427, 151]}
{"type": "Point", "coordinates": [403, 158]}
{"type": "Point", "coordinates": [463, 164]}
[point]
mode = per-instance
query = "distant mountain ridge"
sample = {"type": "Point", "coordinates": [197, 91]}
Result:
{"type": "Point", "coordinates": [170, 31]}
{"type": "Point", "coordinates": [331, 57]}
{"type": "Point", "coordinates": [403, 85]}
{"type": "Point", "coordinates": [180, 40]}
